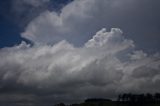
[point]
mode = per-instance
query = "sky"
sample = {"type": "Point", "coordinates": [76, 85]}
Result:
{"type": "Point", "coordinates": [68, 50]}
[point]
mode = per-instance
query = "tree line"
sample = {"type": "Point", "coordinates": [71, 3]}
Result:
{"type": "Point", "coordinates": [129, 97]}
{"type": "Point", "coordinates": [126, 99]}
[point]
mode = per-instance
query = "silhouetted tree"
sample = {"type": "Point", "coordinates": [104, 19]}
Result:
{"type": "Point", "coordinates": [157, 97]}
{"type": "Point", "coordinates": [60, 104]}
{"type": "Point", "coordinates": [124, 96]}
{"type": "Point", "coordinates": [97, 100]}
{"type": "Point", "coordinates": [119, 97]}
{"type": "Point", "coordinates": [149, 97]}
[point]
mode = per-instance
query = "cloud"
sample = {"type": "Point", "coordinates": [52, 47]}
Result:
{"type": "Point", "coordinates": [64, 72]}
{"type": "Point", "coordinates": [82, 18]}
{"type": "Point", "coordinates": [22, 12]}
{"type": "Point", "coordinates": [68, 63]}
{"type": "Point", "coordinates": [35, 3]}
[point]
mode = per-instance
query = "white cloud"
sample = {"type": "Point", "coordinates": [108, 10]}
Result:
{"type": "Point", "coordinates": [94, 70]}
{"type": "Point", "coordinates": [80, 19]}
{"type": "Point", "coordinates": [138, 55]}
{"type": "Point", "coordinates": [75, 19]}
{"type": "Point", "coordinates": [105, 65]}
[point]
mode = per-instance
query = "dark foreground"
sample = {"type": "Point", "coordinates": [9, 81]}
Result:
{"type": "Point", "coordinates": [126, 99]}
{"type": "Point", "coordinates": [111, 103]}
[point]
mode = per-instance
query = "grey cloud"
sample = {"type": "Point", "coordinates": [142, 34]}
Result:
{"type": "Point", "coordinates": [54, 69]}
{"type": "Point", "coordinates": [22, 12]}
{"type": "Point", "coordinates": [80, 19]}
{"type": "Point", "coordinates": [63, 72]}
{"type": "Point", "coordinates": [34, 3]}
{"type": "Point", "coordinates": [141, 72]}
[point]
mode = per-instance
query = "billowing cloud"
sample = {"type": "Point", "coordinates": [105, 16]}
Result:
{"type": "Point", "coordinates": [82, 18]}
{"type": "Point", "coordinates": [104, 66]}
{"type": "Point", "coordinates": [68, 63]}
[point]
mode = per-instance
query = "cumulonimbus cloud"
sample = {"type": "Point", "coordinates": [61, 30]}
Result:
{"type": "Point", "coordinates": [55, 69]}
{"type": "Point", "coordinates": [80, 19]}
{"type": "Point", "coordinates": [105, 66]}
